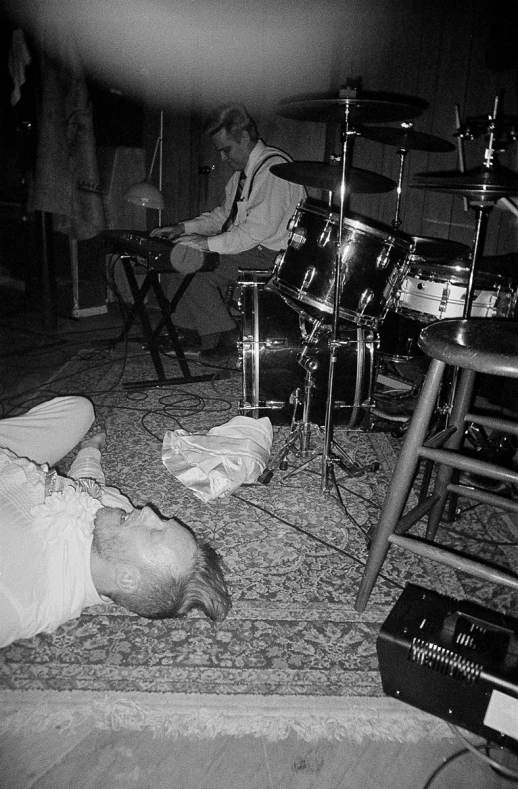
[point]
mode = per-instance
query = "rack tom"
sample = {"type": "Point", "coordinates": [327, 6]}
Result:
{"type": "Point", "coordinates": [435, 285]}
{"type": "Point", "coordinates": [372, 261]}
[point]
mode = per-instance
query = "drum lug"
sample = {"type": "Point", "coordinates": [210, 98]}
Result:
{"type": "Point", "coordinates": [383, 258]}
{"type": "Point", "coordinates": [278, 261]}
{"type": "Point", "coordinates": [308, 278]}
{"type": "Point", "coordinates": [325, 235]}
{"type": "Point", "coordinates": [293, 222]}
{"type": "Point", "coordinates": [275, 342]}
{"type": "Point", "coordinates": [364, 300]}
{"type": "Point", "coordinates": [297, 237]}
{"type": "Point", "coordinates": [444, 299]}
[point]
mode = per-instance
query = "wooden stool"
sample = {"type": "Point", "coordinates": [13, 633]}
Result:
{"type": "Point", "coordinates": [474, 346]}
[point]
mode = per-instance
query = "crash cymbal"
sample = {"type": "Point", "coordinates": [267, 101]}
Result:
{"type": "Point", "coordinates": [329, 177]}
{"type": "Point", "coordinates": [481, 184]}
{"type": "Point", "coordinates": [368, 107]}
{"type": "Point", "coordinates": [409, 139]}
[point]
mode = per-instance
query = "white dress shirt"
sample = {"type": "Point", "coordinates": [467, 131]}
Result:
{"type": "Point", "coordinates": [263, 213]}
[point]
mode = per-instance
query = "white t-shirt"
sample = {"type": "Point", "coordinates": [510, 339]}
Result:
{"type": "Point", "coordinates": [45, 542]}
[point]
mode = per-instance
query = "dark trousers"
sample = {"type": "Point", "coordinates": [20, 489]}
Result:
{"type": "Point", "coordinates": [203, 306]}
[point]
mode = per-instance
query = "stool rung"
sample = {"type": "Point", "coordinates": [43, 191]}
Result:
{"type": "Point", "coordinates": [474, 466]}
{"type": "Point", "coordinates": [415, 514]}
{"type": "Point", "coordinates": [484, 497]}
{"type": "Point", "coordinates": [493, 422]}
{"type": "Point", "coordinates": [470, 566]}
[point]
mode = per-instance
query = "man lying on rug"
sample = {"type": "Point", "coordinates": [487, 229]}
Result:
{"type": "Point", "coordinates": [68, 542]}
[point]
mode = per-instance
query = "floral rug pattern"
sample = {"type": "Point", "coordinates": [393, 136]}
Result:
{"type": "Point", "coordinates": [294, 559]}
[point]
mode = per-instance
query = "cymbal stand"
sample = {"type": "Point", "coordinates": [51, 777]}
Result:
{"type": "Point", "coordinates": [402, 153]}
{"type": "Point", "coordinates": [340, 457]}
{"type": "Point", "coordinates": [482, 205]}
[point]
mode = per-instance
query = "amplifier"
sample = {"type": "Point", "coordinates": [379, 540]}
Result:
{"type": "Point", "coordinates": [454, 659]}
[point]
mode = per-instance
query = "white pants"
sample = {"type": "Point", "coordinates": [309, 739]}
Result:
{"type": "Point", "coordinates": [50, 430]}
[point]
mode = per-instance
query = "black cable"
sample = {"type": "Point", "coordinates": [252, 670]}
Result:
{"type": "Point", "coordinates": [312, 536]}
{"type": "Point", "coordinates": [442, 766]}
{"type": "Point", "coordinates": [500, 768]}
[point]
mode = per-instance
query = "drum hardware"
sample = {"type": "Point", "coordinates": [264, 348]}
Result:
{"type": "Point", "coordinates": [406, 139]}
{"type": "Point", "coordinates": [348, 108]}
{"type": "Point", "coordinates": [273, 337]}
{"type": "Point", "coordinates": [482, 187]}
{"type": "Point", "coordinates": [300, 431]}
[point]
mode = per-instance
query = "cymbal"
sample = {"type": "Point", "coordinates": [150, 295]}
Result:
{"type": "Point", "coordinates": [482, 184]}
{"type": "Point", "coordinates": [480, 124]}
{"type": "Point", "coordinates": [329, 177]}
{"type": "Point", "coordinates": [367, 108]}
{"type": "Point", "coordinates": [409, 139]}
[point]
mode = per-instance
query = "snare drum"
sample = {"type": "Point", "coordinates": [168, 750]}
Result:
{"type": "Point", "coordinates": [372, 262]}
{"type": "Point", "coordinates": [435, 287]}
{"type": "Point", "coordinates": [272, 339]}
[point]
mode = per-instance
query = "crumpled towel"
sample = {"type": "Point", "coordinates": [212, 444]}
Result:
{"type": "Point", "coordinates": [215, 463]}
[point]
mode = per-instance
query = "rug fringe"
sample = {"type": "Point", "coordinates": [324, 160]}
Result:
{"type": "Point", "coordinates": [198, 717]}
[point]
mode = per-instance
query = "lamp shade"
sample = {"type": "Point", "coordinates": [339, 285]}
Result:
{"type": "Point", "coordinates": [145, 194]}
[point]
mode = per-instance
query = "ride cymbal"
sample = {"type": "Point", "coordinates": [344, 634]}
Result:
{"type": "Point", "coordinates": [409, 139]}
{"type": "Point", "coordinates": [329, 177]}
{"type": "Point", "coordinates": [367, 108]}
{"type": "Point", "coordinates": [481, 183]}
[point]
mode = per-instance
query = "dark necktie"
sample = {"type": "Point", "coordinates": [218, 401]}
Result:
{"type": "Point", "coordinates": [229, 221]}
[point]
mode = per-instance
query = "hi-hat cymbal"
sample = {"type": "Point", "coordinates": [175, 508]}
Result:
{"type": "Point", "coordinates": [367, 108]}
{"type": "Point", "coordinates": [329, 177]}
{"type": "Point", "coordinates": [409, 139]}
{"type": "Point", "coordinates": [481, 184]}
{"type": "Point", "coordinates": [482, 124]}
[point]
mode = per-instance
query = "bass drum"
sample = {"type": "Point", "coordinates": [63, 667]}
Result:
{"type": "Point", "coordinates": [398, 336]}
{"type": "Point", "coordinates": [271, 343]}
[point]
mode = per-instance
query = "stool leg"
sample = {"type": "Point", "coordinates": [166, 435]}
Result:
{"type": "Point", "coordinates": [461, 404]}
{"type": "Point", "coordinates": [401, 482]}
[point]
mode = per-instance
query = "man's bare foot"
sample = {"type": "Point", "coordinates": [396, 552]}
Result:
{"type": "Point", "coordinates": [98, 441]}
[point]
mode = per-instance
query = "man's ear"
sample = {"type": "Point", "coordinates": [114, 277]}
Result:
{"type": "Point", "coordinates": [127, 578]}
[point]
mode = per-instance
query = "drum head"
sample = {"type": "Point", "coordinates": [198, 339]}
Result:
{"type": "Point", "coordinates": [438, 249]}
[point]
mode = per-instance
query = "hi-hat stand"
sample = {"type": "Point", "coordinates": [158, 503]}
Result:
{"type": "Point", "coordinates": [299, 436]}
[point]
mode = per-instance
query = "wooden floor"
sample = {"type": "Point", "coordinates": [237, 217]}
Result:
{"type": "Point", "coordinates": [89, 758]}
{"type": "Point", "coordinates": [130, 760]}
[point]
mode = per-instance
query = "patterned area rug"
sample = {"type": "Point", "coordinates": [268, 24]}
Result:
{"type": "Point", "coordinates": [293, 653]}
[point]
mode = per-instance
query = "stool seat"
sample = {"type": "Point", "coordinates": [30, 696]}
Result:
{"type": "Point", "coordinates": [476, 344]}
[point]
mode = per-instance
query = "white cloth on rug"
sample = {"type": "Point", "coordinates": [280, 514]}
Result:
{"type": "Point", "coordinates": [215, 463]}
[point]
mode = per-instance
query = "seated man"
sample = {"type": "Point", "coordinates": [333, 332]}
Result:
{"type": "Point", "coordinates": [247, 230]}
{"type": "Point", "coordinates": [67, 542]}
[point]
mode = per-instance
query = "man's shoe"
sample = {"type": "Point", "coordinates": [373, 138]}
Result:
{"type": "Point", "coordinates": [188, 339]}
{"type": "Point", "coordinates": [219, 345]}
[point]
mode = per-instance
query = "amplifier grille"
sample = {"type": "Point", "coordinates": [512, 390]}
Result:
{"type": "Point", "coordinates": [426, 653]}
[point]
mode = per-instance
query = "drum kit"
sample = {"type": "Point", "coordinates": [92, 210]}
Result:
{"type": "Point", "coordinates": [345, 277]}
